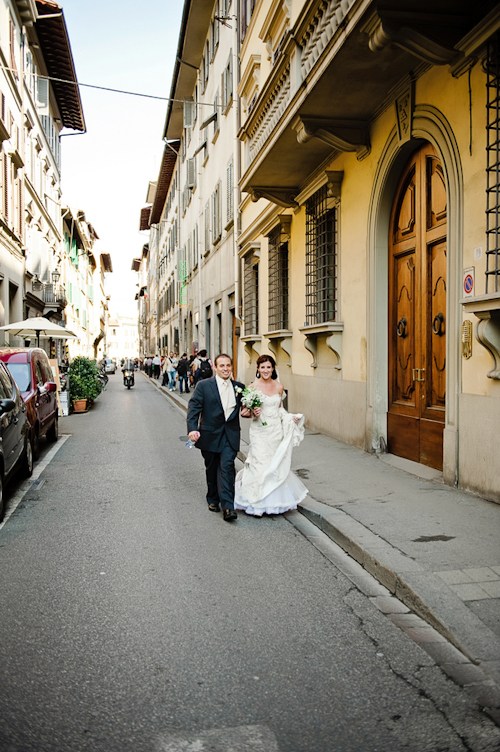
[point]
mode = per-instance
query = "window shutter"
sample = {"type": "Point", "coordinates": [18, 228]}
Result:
{"type": "Point", "coordinates": [223, 90]}
{"type": "Point", "coordinates": [207, 228]}
{"type": "Point", "coordinates": [229, 70]}
{"type": "Point", "coordinates": [191, 172]}
{"type": "Point", "coordinates": [229, 191]}
{"type": "Point", "coordinates": [188, 114]}
{"type": "Point", "coordinates": [219, 209]}
{"type": "Point", "coordinates": [42, 96]}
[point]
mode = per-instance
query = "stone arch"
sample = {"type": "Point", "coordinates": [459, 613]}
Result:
{"type": "Point", "coordinates": [429, 124]}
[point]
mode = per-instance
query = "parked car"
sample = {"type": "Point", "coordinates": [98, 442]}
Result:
{"type": "Point", "coordinates": [15, 433]}
{"type": "Point", "coordinates": [30, 369]}
{"type": "Point", "coordinates": [109, 365]}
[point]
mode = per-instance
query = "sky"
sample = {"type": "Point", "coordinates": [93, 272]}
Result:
{"type": "Point", "coordinates": [106, 171]}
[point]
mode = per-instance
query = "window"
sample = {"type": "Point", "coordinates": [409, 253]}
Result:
{"type": "Point", "coordinates": [229, 197]}
{"type": "Point", "coordinates": [195, 246]}
{"type": "Point", "coordinates": [278, 279]}
{"type": "Point", "coordinates": [6, 388]}
{"type": "Point", "coordinates": [492, 165]}
{"type": "Point", "coordinates": [321, 257]}
{"type": "Point", "coordinates": [216, 213]}
{"type": "Point", "coordinates": [207, 228]}
{"type": "Point", "coordinates": [208, 324]}
{"type": "Point", "coordinates": [246, 10]}
{"type": "Point", "coordinates": [227, 83]}
{"type": "Point", "coordinates": [251, 294]}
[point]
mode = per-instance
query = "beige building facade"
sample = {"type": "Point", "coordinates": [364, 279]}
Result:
{"type": "Point", "coordinates": [192, 258]}
{"type": "Point", "coordinates": [366, 242]}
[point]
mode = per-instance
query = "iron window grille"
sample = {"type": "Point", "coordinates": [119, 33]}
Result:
{"type": "Point", "coordinates": [251, 295]}
{"type": "Point", "coordinates": [278, 280]}
{"type": "Point", "coordinates": [321, 257]}
{"type": "Point", "coordinates": [493, 165]}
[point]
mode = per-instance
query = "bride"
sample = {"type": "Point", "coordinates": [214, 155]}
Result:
{"type": "Point", "coordinates": [266, 484]}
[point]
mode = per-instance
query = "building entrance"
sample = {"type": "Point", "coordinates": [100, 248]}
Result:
{"type": "Point", "coordinates": [417, 311]}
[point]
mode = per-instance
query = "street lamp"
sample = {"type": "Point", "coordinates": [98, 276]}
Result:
{"type": "Point", "coordinates": [55, 276]}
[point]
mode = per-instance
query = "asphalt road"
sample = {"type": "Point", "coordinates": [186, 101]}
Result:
{"type": "Point", "coordinates": [132, 619]}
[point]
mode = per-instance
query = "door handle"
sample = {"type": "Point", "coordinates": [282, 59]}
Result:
{"type": "Point", "coordinates": [401, 328]}
{"type": "Point", "coordinates": [438, 324]}
{"type": "Point", "coordinates": [419, 372]}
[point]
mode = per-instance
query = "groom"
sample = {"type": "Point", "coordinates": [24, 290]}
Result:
{"type": "Point", "coordinates": [213, 423]}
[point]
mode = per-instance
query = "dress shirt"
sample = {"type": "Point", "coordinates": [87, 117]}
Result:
{"type": "Point", "coordinates": [227, 396]}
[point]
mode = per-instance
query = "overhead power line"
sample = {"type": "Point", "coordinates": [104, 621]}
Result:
{"type": "Point", "coordinates": [105, 88]}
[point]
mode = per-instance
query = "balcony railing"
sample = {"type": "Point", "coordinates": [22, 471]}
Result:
{"type": "Point", "coordinates": [54, 295]}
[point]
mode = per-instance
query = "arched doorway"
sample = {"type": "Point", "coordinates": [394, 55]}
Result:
{"type": "Point", "coordinates": [417, 311]}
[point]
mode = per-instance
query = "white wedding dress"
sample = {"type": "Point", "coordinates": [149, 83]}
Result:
{"type": "Point", "coordinates": [266, 485]}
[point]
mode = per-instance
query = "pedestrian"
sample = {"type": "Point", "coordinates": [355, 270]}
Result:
{"type": "Point", "coordinates": [156, 366]}
{"type": "Point", "coordinates": [182, 372]}
{"type": "Point", "coordinates": [213, 423]}
{"type": "Point", "coordinates": [164, 371]}
{"type": "Point", "coordinates": [202, 367]}
{"type": "Point", "coordinates": [266, 484]}
{"type": "Point", "coordinates": [172, 371]}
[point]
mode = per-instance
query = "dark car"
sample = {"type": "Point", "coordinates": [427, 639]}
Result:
{"type": "Point", "coordinates": [15, 439]}
{"type": "Point", "coordinates": [30, 368]}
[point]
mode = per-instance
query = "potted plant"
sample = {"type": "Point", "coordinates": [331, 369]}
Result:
{"type": "Point", "coordinates": [84, 386]}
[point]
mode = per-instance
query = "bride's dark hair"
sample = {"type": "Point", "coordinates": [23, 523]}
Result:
{"type": "Point", "coordinates": [266, 359]}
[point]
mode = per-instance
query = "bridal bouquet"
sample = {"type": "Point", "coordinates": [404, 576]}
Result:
{"type": "Point", "coordinates": [251, 398]}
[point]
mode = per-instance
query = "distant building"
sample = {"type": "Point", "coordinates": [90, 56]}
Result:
{"type": "Point", "coordinates": [122, 338]}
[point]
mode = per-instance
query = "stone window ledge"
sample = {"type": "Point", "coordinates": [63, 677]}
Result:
{"type": "Point", "coordinates": [487, 310]}
{"type": "Point", "coordinates": [332, 330]}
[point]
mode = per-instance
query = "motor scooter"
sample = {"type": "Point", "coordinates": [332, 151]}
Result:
{"type": "Point", "coordinates": [128, 378]}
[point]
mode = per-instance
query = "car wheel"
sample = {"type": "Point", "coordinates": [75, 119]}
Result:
{"type": "Point", "coordinates": [2, 500]}
{"type": "Point", "coordinates": [27, 465]}
{"type": "Point", "coordinates": [53, 432]}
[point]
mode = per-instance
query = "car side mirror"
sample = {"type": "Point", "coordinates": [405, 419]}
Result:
{"type": "Point", "coordinates": [50, 386]}
{"type": "Point", "coordinates": [6, 405]}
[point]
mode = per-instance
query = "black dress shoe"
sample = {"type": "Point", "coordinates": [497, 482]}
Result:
{"type": "Point", "coordinates": [214, 507]}
{"type": "Point", "coordinates": [230, 515]}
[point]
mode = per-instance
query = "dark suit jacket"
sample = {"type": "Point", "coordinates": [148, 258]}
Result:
{"type": "Point", "coordinates": [206, 415]}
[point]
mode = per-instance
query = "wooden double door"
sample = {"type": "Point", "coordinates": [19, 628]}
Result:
{"type": "Point", "coordinates": [417, 311]}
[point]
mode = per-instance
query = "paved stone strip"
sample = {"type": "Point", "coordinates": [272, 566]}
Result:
{"type": "Point", "coordinates": [453, 662]}
{"type": "Point", "coordinates": [237, 739]}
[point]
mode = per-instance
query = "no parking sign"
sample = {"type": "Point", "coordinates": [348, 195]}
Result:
{"type": "Point", "coordinates": [468, 282]}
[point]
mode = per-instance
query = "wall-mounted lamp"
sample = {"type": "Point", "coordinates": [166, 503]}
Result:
{"type": "Point", "coordinates": [56, 275]}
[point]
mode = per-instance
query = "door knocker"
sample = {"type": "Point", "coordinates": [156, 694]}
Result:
{"type": "Point", "coordinates": [438, 324]}
{"type": "Point", "coordinates": [401, 328]}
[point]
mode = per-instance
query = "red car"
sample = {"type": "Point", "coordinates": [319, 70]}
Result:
{"type": "Point", "coordinates": [30, 369]}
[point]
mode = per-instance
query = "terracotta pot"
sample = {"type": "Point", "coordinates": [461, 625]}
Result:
{"type": "Point", "coordinates": [80, 406]}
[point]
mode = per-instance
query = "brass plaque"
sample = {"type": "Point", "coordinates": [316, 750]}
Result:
{"type": "Point", "coordinates": [467, 339]}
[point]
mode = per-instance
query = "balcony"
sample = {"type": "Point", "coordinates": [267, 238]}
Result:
{"type": "Point", "coordinates": [341, 64]}
{"type": "Point", "coordinates": [54, 295]}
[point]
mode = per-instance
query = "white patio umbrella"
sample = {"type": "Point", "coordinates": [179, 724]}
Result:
{"type": "Point", "coordinates": [38, 327]}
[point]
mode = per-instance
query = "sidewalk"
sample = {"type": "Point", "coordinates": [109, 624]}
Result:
{"type": "Point", "coordinates": [435, 548]}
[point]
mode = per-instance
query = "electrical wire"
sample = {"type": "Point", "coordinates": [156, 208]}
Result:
{"type": "Point", "coordinates": [106, 88]}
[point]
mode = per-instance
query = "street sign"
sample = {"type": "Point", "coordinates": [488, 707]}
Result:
{"type": "Point", "coordinates": [468, 282]}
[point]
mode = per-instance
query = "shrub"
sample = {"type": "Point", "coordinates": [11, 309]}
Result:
{"type": "Point", "coordinates": [83, 379]}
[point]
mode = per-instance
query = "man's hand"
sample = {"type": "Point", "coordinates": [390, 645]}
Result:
{"type": "Point", "coordinates": [194, 436]}
{"type": "Point", "coordinates": [246, 412]}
